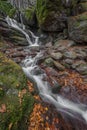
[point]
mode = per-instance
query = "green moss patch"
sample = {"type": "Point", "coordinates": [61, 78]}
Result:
{"type": "Point", "coordinates": [16, 103]}
{"type": "Point", "coordinates": [7, 8]}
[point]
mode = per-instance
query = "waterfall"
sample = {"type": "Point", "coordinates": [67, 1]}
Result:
{"type": "Point", "coordinates": [30, 67]}
{"type": "Point", "coordinates": [63, 105]}
{"type": "Point", "coordinates": [14, 24]}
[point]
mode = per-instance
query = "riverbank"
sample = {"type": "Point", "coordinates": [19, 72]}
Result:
{"type": "Point", "coordinates": [65, 79]}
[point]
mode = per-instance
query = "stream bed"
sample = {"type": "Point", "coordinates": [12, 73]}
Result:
{"type": "Point", "coordinates": [67, 108]}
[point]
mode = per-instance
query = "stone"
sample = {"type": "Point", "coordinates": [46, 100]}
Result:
{"type": "Point", "coordinates": [69, 61]}
{"type": "Point", "coordinates": [29, 17]}
{"type": "Point", "coordinates": [77, 28]}
{"type": "Point", "coordinates": [50, 15]}
{"type": "Point", "coordinates": [78, 63]}
{"type": "Point", "coordinates": [81, 55]}
{"type": "Point", "coordinates": [58, 65]}
{"type": "Point", "coordinates": [82, 69]}
{"type": "Point", "coordinates": [70, 54]}
{"type": "Point", "coordinates": [13, 35]}
{"type": "Point", "coordinates": [49, 62]}
{"type": "Point", "coordinates": [56, 56]}
{"type": "Point", "coordinates": [56, 88]}
{"type": "Point", "coordinates": [66, 42]}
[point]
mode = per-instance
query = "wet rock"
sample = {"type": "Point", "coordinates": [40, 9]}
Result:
{"type": "Point", "coordinates": [29, 17]}
{"type": "Point", "coordinates": [49, 62]}
{"type": "Point", "coordinates": [13, 35]}
{"type": "Point", "coordinates": [56, 56]}
{"type": "Point", "coordinates": [66, 43]}
{"type": "Point", "coordinates": [68, 61]}
{"type": "Point", "coordinates": [62, 48]}
{"type": "Point", "coordinates": [70, 54]}
{"type": "Point", "coordinates": [82, 69]}
{"type": "Point", "coordinates": [78, 63]}
{"type": "Point", "coordinates": [56, 88]}
{"type": "Point", "coordinates": [81, 54]}
{"type": "Point", "coordinates": [58, 65]}
{"type": "Point", "coordinates": [77, 27]}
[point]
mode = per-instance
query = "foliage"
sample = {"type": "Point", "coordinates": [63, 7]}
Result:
{"type": "Point", "coordinates": [7, 8]}
{"type": "Point", "coordinates": [29, 13]}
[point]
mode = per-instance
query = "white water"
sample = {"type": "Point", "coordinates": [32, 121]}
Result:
{"type": "Point", "coordinates": [30, 68]}
{"type": "Point", "coordinates": [59, 102]}
{"type": "Point", "coordinates": [13, 23]}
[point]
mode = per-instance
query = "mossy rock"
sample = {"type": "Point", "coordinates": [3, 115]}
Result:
{"type": "Point", "coordinates": [16, 102]}
{"type": "Point", "coordinates": [77, 28]}
{"type": "Point", "coordinates": [30, 16]}
{"type": "Point", "coordinates": [7, 8]}
{"type": "Point", "coordinates": [48, 15]}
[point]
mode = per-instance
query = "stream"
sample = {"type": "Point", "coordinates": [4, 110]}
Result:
{"type": "Point", "coordinates": [31, 69]}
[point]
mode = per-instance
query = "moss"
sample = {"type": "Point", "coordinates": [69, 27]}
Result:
{"type": "Point", "coordinates": [7, 8]}
{"type": "Point", "coordinates": [44, 8]}
{"type": "Point", "coordinates": [12, 12]}
{"type": "Point", "coordinates": [41, 10]}
{"type": "Point", "coordinates": [14, 94]}
{"type": "Point", "coordinates": [11, 74]}
{"type": "Point", "coordinates": [29, 13]}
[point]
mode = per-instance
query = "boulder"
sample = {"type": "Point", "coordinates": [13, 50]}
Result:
{"type": "Point", "coordinates": [16, 102]}
{"type": "Point", "coordinates": [50, 15]}
{"type": "Point", "coordinates": [6, 8]}
{"type": "Point", "coordinates": [11, 34]}
{"type": "Point", "coordinates": [77, 28]}
{"type": "Point", "coordinates": [30, 17]}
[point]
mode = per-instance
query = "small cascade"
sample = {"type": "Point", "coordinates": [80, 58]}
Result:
{"type": "Point", "coordinates": [20, 27]}
{"type": "Point", "coordinates": [31, 68]}
{"type": "Point", "coordinates": [63, 105]}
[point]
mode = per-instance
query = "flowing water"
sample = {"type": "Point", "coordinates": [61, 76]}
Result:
{"type": "Point", "coordinates": [31, 69]}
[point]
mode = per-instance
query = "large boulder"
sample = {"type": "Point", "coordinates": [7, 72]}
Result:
{"type": "Point", "coordinates": [16, 102]}
{"type": "Point", "coordinates": [77, 28]}
{"type": "Point", "coordinates": [49, 15]}
{"type": "Point", "coordinates": [29, 17]}
{"type": "Point", "coordinates": [52, 15]}
{"type": "Point", "coordinates": [6, 8]}
{"type": "Point", "coordinates": [14, 35]}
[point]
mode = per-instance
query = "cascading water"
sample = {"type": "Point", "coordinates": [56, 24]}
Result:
{"type": "Point", "coordinates": [14, 24]}
{"type": "Point", "coordinates": [30, 67]}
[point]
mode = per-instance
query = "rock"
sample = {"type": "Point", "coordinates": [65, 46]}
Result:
{"type": "Point", "coordinates": [82, 69]}
{"type": "Point", "coordinates": [56, 89]}
{"type": "Point", "coordinates": [13, 35]}
{"type": "Point", "coordinates": [66, 43]}
{"type": "Point", "coordinates": [77, 28]}
{"type": "Point", "coordinates": [81, 7]}
{"type": "Point", "coordinates": [6, 8]}
{"type": "Point", "coordinates": [49, 62]}
{"type": "Point", "coordinates": [50, 15]}
{"type": "Point", "coordinates": [58, 65]}
{"type": "Point", "coordinates": [70, 54]}
{"type": "Point", "coordinates": [16, 103]}
{"type": "Point", "coordinates": [78, 63]}
{"type": "Point", "coordinates": [56, 56]}
{"type": "Point", "coordinates": [68, 61]}
{"type": "Point", "coordinates": [29, 17]}
{"type": "Point", "coordinates": [81, 54]}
